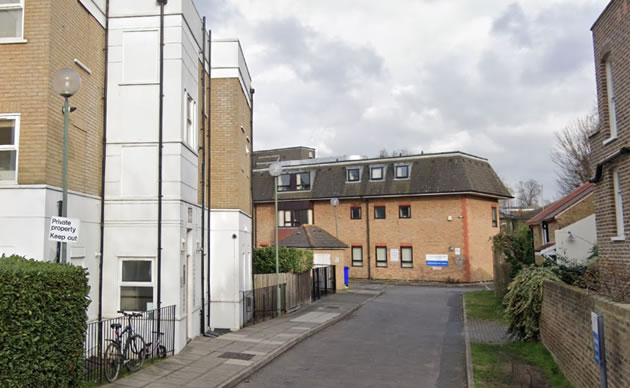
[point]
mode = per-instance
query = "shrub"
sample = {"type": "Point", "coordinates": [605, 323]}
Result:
{"type": "Point", "coordinates": [517, 246]}
{"type": "Point", "coordinates": [289, 260]}
{"type": "Point", "coordinates": [523, 302]}
{"type": "Point", "coordinates": [42, 323]}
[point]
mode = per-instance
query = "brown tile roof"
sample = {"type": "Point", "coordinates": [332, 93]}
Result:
{"type": "Point", "coordinates": [562, 204]}
{"type": "Point", "coordinates": [430, 174]}
{"type": "Point", "coordinates": [312, 237]}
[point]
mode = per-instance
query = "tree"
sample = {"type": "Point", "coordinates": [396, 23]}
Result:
{"type": "Point", "coordinates": [383, 153]}
{"type": "Point", "coordinates": [572, 152]}
{"type": "Point", "coordinates": [528, 193]}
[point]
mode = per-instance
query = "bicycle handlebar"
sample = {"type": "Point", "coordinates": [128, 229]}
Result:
{"type": "Point", "coordinates": [132, 315]}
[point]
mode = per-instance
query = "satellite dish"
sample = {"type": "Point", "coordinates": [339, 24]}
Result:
{"type": "Point", "coordinates": [275, 169]}
{"type": "Point", "coordinates": [334, 202]}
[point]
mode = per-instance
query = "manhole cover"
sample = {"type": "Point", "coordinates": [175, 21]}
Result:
{"type": "Point", "coordinates": [237, 356]}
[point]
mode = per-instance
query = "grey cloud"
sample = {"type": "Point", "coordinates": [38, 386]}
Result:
{"type": "Point", "coordinates": [514, 24]}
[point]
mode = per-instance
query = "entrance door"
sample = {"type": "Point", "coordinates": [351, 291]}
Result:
{"type": "Point", "coordinates": [189, 284]}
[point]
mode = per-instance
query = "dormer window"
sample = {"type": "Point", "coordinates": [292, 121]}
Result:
{"type": "Point", "coordinates": [294, 182]}
{"type": "Point", "coordinates": [353, 174]}
{"type": "Point", "coordinates": [376, 173]}
{"type": "Point", "coordinates": [284, 182]}
{"type": "Point", "coordinates": [401, 171]}
{"type": "Point", "coordinates": [303, 181]}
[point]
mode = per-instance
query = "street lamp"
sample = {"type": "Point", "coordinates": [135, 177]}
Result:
{"type": "Point", "coordinates": [65, 83]}
{"type": "Point", "coordinates": [275, 169]}
{"type": "Point", "coordinates": [335, 202]}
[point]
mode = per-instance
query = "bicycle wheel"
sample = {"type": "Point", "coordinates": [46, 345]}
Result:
{"type": "Point", "coordinates": [111, 362]}
{"type": "Point", "coordinates": [134, 352]}
{"type": "Point", "coordinates": [161, 352]}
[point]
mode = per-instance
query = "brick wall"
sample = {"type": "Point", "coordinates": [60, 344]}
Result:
{"type": "Point", "coordinates": [57, 32]}
{"type": "Point", "coordinates": [610, 34]}
{"type": "Point", "coordinates": [231, 146]}
{"type": "Point", "coordinates": [565, 326]}
{"type": "Point", "coordinates": [428, 231]}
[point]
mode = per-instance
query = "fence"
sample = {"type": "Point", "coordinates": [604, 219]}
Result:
{"type": "Point", "coordinates": [265, 300]}
{"type": "Point", "coordinates": [298, 287]}
{"type": "Point", "coordinates": [324, 281]}
{"type": "Point", "coordinates": [145, 325]}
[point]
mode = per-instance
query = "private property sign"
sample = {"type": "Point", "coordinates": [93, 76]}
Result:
{"type": "Point", "coordinates": [64, 229]}
{"type": "Point", "coordinates": [437, 260]}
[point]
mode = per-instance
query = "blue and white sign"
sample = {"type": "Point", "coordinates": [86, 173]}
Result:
{"type": "Point", "coordinates": [437, 260]}
{"type": "Point", "coordinates": [596, 339]}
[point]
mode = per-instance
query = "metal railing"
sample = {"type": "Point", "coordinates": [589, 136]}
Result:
{"type": "Point", "coordinates": [324, 281]}
{"type": "Point", "coordinates": [266, 303]}
{"type": "Point", "coordinates": [162, 320]}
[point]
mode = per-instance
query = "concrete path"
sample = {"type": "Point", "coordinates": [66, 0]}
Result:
{"type": "Point", "coordinates": [408, 337]}
{"type": "Point", "coordinates": [226, 360]}
{"type": "Point", "coordinates": [483, 331]}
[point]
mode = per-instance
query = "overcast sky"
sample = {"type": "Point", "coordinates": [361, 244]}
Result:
{"type": "Point", "coordinates": [493, 78]}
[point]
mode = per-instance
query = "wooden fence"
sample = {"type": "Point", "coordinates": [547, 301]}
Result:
{"type": "Point", "coordinates": [298, 287]}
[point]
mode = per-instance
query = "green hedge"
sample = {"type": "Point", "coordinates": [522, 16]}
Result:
{"type": "Point", "coordinates": [289, 259]}
{"type": "Point", "coordinates": [42, 323]}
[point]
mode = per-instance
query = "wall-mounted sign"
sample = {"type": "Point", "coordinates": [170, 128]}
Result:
{"type": "Point", "coordinates": [437, 260]}
{"type": "Point", "coordinates": [64, 229]}
{"type": "Point", "coordinates": [393, 255]}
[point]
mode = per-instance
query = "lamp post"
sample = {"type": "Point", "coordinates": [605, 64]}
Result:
{"type": "Point", "coordinates": [335, 202]}
{"type": "Point", "coordinates": [275, 169]}
{"type": "Point", "coordinates": [66, 83]}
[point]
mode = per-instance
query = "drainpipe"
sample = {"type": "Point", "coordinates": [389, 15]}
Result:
{"type": "Point", "coordinates": [203, 169]}
{"type": "Point", "coordinates": [103, 165]}
{"type": "Point", "coordinates": [160, 145]}
{"type": "Point", "coordinates": [367, 226]}
{"type": "Point", "coordinates": [209, 160]}
{"type": "Point", "coordinates": [251, 192]}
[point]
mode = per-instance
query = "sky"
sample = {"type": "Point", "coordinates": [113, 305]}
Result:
{"type": "Point", "coordinates": [492, 78]}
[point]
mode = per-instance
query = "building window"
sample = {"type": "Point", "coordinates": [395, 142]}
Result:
{"type": "Point", "coordinates": [406, 257]}
{"type": "Point", "coordinates": [610, 91]}
{"type": "Point", "coordinates": [9, 141]}
{"type": "Point", "coordinates": [355, 213]}
{"type": "Point", "coordinates": [353, 174]}
{"type": "Point", "coordinates": [357, 256]}
{"type": "Point", "coordinates": [495, 220]}
{"type": "Point", "coordinates": [381, 256]}
{"type": "Point", "coordinates": [136, 285]}
{"type": "Point", "coordinates": [295, 218]}
{"type": "Point", "coordinates": [545, 232]}
{"type": "Point", "coordinates": [11, 20]}
{"type": "Point", "coordinates": [191, 127]}
{"type": "Point", "coordinates": [618, 205]}
{"type": "Point", "coordinates": [379, 212]}
{"type": "Point", "coordinates": [294, 182]}
{"type": "Point", "coordinates": [376, 173]}
{"type": "Point", "coordinates": [404, 211]}
{"type": "Point", "coordinates": [402, 171]}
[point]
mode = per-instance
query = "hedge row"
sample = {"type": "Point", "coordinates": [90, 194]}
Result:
{"type": "Point", "coordinates": [42, 323]}
{"type": "Point", "coordinates": [289, 260]}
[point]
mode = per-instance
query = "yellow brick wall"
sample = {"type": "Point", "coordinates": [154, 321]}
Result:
{"type": "Point", "coordinates": [230, 174]}
{"type": "Point", "coordinates": [428, 231]}
{"type": "Point", "coordinates": [57, 32]}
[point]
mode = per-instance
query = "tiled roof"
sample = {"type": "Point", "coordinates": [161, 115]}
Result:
{"type": "Point", "coordinates": [430, 174]}
{"type": "Point", "coordinates": [562, 204]}
{"type": "Point", "coordinates": [312, 237]}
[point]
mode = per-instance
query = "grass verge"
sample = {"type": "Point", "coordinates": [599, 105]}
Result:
{"type": "Point", "coordinates": [484, 305]}
{"type": "Point", "coordinates": [515, 364]}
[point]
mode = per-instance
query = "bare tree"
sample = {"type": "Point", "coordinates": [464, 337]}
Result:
{"type": "Point", "coordinates": [528, 193]}
{"type": "Point", "coordinates": [572, 152]}
{"type": "Point", "coordinates": [383, 153]}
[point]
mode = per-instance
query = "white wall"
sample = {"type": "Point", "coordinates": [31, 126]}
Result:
{"type": "Point", "coordinates": [576, 249]}
{"type": "Point", "coordinates": [228, 61]}
{"type": "Point", "coordinates": [25, 212]}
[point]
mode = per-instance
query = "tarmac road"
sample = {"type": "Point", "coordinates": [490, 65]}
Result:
{"type": "Point", "coordinates": [411, 336]}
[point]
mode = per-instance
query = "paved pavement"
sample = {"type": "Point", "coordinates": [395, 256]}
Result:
{"type": "Point", "coordinates": [482, 331]}
{"type": "Point", "coordinates": [408, 337]}
{"type": "Point", "coordinates": [226, 360]}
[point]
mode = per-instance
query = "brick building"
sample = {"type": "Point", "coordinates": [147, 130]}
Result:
{"type": "Point", "coordinates": [610, 144]}
{"type": "Point", "coordinates": [419, 217]}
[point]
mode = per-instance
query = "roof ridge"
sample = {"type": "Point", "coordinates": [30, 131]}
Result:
{"type": "Point", "coordinates": [307, 233]}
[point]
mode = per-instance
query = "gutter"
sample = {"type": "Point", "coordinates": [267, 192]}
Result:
{"type": "Point", "coordinates": [367, 226]}
{"type": "Point", "coordinates": [599, 169]}
{"type": "Point", "coordinates": [203, 171]}
{"type": "Point", "coordinates": [251, 190]}
{"type": "Point", "coordinates": [209, 36]}
{"type": "Point", "coordinates": [160, 145]}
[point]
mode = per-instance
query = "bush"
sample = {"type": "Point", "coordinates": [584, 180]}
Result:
{"type": "Point", "coordinates": [517, 246]}
{"type": "Point", "coordinates": [42, 323]}
{"type": "Point", "coordinates": [523, 302]}
{"type": "Point", "coordinates": [289, 259]}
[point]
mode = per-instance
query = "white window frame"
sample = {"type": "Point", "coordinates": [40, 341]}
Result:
{"type": "Point", "coordinates": [348, 169]}
{"type": "Point", "coordinates": [15, 147]}
{"type": "Point", "coordinates": [396, 166]}
{"type": "Point", "coordinates": [380, 263]}
{"type": "Point", "coordinates": [190, 122]}
{"type": "Point", "coordinates": [619, 221]}
{"type": "Point", "coordinates": [374, 168]}
{"type": "Point", "coordinates": [612, 109]}
{"type": "Point", "coordinates": [122, 283]}
{"type": "Point", "coordinates": [13, 7]}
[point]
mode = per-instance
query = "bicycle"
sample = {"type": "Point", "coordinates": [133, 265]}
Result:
{"type": "Point", "coordinates": [155, 348]}
{"type": "Point", "coordinates": [133, 353]}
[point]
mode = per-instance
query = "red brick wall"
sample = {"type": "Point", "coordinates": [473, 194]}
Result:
{"type": "Point", "coordinates": [610, 35]}
{"type": "Point", "coordinates": [565, 326]}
